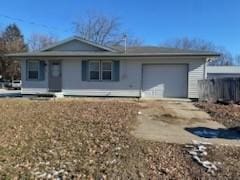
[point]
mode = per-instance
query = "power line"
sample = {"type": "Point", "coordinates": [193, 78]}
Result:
{"type": "Point", "coordinates": [34, 23]}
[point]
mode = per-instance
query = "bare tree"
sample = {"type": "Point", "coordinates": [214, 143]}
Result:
{"type": "Point", "coordinates": [226, 58]}
{"type": "Point", "coordinates": [192, 44]}
{"type": "Point", "coordinates": [134, 42]}
{"type": "Point", "coordinates": [1, 56]}
{"type": "Point", "coordinates": [39, 41]}
{"type": "Point", "coordinates": [202, 45]}
{"type": "Point", "coordinates": [103, 30]}
{"type": "Point", "coordinates": [130, 39]}
{"type": "Point", "coordinates": [237, 60]}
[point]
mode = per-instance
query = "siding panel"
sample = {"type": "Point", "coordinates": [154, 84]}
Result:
{"type": "Point", "coordinates": [196, 73]}
{"type": "Point", "coordinates": [129, 84]}
{"type": "Point", "coordinates": [76, 46]}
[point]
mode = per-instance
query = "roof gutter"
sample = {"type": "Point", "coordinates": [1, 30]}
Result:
{"type": "Point", "coordinates": [209, 56]}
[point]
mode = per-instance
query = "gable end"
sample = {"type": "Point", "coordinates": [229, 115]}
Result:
{"type": "Point", "coordinates": [77, 44]}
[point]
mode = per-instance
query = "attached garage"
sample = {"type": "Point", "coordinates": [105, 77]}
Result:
{"type": "Point", "coordinates": [165, 80]}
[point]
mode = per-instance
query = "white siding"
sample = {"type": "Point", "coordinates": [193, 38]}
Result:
{"type": "Point", "coordinates": [196, 73]}
{"type": "Point", "coordinates": [130, 83]}
{"type": "Point", "coordinates": [75, 46]}
{"type": "Point", "coordinates": [130, 77]}
{"type": "Point", "coordinates": [33, 87]}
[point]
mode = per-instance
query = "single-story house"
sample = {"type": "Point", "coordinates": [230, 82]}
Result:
{"type": "Point", "coordinates": [223, 72]}
{"type": "Point", "coordinates": [77, 67]}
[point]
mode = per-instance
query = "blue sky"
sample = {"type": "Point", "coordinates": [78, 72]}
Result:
{"type": "Point", "coordinates": [154, 21]}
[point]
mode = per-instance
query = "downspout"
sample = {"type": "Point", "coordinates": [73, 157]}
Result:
{"type": "Point", "coordinates": [208, 60]}
{"type": "Point", "coordinates": [141, 83]}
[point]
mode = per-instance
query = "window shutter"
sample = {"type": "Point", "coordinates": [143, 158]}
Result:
{"type": "Point", "coordinates": [116, 70]}
{"type": "Point", "coordinates": [26, 69]}
{"type": "Point", "coordinates": [42, 71]}
{"type": "Point", "coordinates": [84, 70]}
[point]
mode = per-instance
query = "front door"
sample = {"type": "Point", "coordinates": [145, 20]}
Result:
{"type": "Point", "coordinates": [55, 76]}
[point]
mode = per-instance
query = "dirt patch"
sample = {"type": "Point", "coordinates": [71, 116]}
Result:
{"type": "Point", "coordinates": [167, 118]}
{"type": "Point", "coordinates": [90, 140]}
{"type": "Point", "coordinates": [228, 115]}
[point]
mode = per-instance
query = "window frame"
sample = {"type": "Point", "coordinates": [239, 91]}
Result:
{"type": "Point", "coordinates": [99, 70]}
{"type": "Point", "coordinates": [28, 70]}
{"type": "Point", "coordinates": [105, 61]}
{"type": "Point", "coordinates": [100, 62]}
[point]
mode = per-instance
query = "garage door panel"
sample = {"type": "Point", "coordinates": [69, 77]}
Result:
{"type": "Point", "coordinates": [165, 80]}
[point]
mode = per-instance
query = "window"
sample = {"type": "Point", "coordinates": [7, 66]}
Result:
{"type": "Point", "coordinates": [94, 69]}
{"type": "Point", "coordinates": [100, 70]}
{"type": "Point", "coordinates": [33, 70]}
{"type": "Point", "coordinates": [56, 70]}
{"type": "Point", "coordinates": [106, 70]}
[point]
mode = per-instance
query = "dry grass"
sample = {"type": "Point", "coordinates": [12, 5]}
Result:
{"type": "Point", "coordinates": [83, 140]}
{"type": "Point", "coordinates": [228, 115]}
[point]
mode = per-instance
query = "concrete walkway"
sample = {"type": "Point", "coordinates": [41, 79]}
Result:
{"type": "Point", "coordinates": [10, 93]}
{"type": "Point", "coordinates": [169, 121]}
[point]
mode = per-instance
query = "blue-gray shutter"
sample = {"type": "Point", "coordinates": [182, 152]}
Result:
{"type": "Point", "coordinates": [84, 70]}
{"type": "Point", "coordinates": [26, 69]}
{"type": "Point", "coordinates": [42, 71]}
{"type": "Point", "coordinates": [116, 70]}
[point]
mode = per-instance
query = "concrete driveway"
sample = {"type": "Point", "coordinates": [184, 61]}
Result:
{"type": "Point", "coordinates": [178, 122]}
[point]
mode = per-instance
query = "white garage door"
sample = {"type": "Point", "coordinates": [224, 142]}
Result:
{"type": "Point", "coordinates": [165, 80]}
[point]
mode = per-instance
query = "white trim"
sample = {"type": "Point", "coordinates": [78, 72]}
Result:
{"type": "Point", "coordinates": [101, 92]}
{"type": "Point", "coordinates": [34, 90]}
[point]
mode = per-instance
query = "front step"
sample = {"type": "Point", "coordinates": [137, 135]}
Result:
{"type": "Point", "coordinates": [58, 95]}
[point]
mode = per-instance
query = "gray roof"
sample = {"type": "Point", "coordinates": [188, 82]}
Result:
{"type": "Point", "coordinates": [144, 51]}
{"type": "Point", "coordinates": [114, 51]}
{"type": "Point", "coordinates": [157, 49]}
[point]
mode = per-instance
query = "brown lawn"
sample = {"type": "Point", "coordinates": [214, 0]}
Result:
{"type": "Point", "coordinates": [75, 139]}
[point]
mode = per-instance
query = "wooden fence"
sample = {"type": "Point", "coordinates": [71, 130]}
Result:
{"type": "Point", "coordinates": [222, 89]}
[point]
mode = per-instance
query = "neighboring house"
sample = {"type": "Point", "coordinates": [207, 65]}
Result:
{"type": "Point", "coordinates": [222, 71]}
{"type": "Point", "coordinates": [83, 68]}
